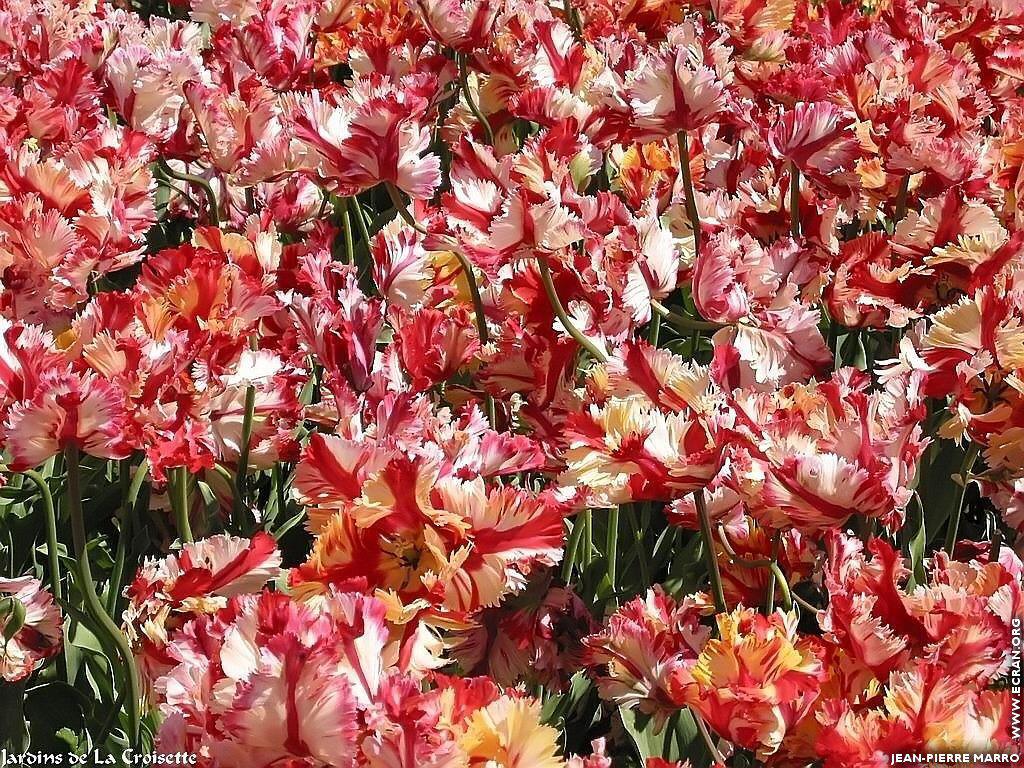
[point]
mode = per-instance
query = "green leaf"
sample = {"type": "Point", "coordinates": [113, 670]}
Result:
{"type": "Point", "coordinates": [70, 739]}
{"type": "Point", "coordinates": [917, 544]}
{"type": "Point", "coordinates": [290, 523]}
{"type": "Point", "coordinates": [688, 571]}
{"type": "Point", "coordinates": [82, 645]}
{"type": "Point", "coordinates": [678, 740]}
{"type": "Point", "coordinates": [12, 717]}
{"type": "Point", "coordinates": [852, 350]}
{"type": "Point", "coordinates": [17, 494]}
{"type": "Point", "coordinates": [557, 708]}
{"type": "Point", "coordinates": [939, 492]}
{"type": "Point", "coordinates": [52, 708]}
{"type": "Point", "coordinates": [663, 547]}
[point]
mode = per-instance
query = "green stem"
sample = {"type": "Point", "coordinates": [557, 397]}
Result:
{"type": "Point", "coordinates": [682, 322]}
{"type": "Point", "coordinates": [403, 209]}
{"type": "Point", "coordinates": [776, 577]}
{"type": "Point", "coordinates": [125, 534]}
{"type": "Point", "coordinates": [200, 182]}
{"type": "Point", "coordinates": [995, 537]}
{"type": "Point", "coordinates": [588, 538]}
{"type": "Point", "coordinates": [278, 481]}
{"type": "Point", "coordinates": [794, 200]}
{"type": "Point", "coordinates": [52, 550]}
{"type": "Point", "coordinates": [779, 579]}
{"type": "Point", "coordinates": [773, 576]}
{"type": "Point", "coordinates": [470, 101]}
{"type": "Point", "coordinates": [716, 756]}
{"type": "Point", "coordinates": [474, 293]}
{"type": "Point", "coordinates": [654, 330]}
{"type": "Point", "coordinates": [357, 213]}
{"type": "Point", "coordinates": [108, 722]}
{"type": "Point", "coordinates": [612, 545]}
{"type": "Point", "coordinates": [559, 310]}
{"type": "Point", "coordinates": [735, 559]}
{"type": "Point", "coordinates": [803, 603]}
{"type": "Point", "coordinates": [178, 492]}
{"type": "Point", "coordinates": [965, 472]}
{"type": "Point", "coordinates": [163, 182]}
{"type": "Point", "coordinates": [572, 15]}
{"type": "Point", "coordinates": [346, 222]}
{"type": "Point", "coordinates": [691, 199]}
{"type": "Point", "coordinates": [92, 600]}
{"type": "Point", "coordinates": [490, 410]}
{"type": "Point", "coordinates": [240, 502]}
{"type": "Point", "coordinates": [638, 541]}
{"type": "Point", "coordinates": [137, 480]}
{"type": "Point", "coordinates": [717, 591]}
{"type": "Point", "coordinates": [121, 553]}
{"type": "Point", "coordinates": [572, 548]}
{"type": "Point", "coordinates": [364, 276]}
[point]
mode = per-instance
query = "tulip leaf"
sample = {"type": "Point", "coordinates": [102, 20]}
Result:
{"type": "Point", "coordinates": [556, 707]}
{"type": "Point", "coordinates": [54, 707]}
{"type": "Point", "coordinates": [574, 712]}
{"type": "Point", "coordinates": [679, 739]}
{"type": "Point", "coordinates": [939, 491]}
{"type": "Point", "coordinates": [12, 716]}
{"type": "Point", "coordinates": [918, 543]}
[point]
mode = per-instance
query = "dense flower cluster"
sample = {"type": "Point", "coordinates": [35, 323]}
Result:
{"type": "Point", "coordinates": [511, 383]}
